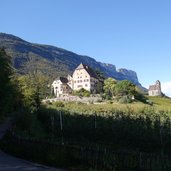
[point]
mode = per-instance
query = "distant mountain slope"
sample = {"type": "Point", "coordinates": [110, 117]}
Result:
{"type": "Point", "coordinates": [55, 61]}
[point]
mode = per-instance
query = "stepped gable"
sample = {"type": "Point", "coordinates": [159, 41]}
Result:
{"type": "Point", "coordinates": [88, 69]}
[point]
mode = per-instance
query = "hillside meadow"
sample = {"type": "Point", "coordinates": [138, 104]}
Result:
{"type": "Point", "coordinates": [157, 104]}
{"type": "Point", "coordinates": [161, 103]}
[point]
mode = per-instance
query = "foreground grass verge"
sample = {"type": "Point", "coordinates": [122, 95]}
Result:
{"type": "Point", "coordinates": [79, 158]}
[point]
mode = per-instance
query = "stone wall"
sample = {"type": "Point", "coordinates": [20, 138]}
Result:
{"type": "Point", "coordinates": [92, 99]}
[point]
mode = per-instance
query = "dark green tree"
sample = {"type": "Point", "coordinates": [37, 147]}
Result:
{"type": "Point", "coordinates": [100, 83]}
{"type": "Point", "coordinates": [5, 82]}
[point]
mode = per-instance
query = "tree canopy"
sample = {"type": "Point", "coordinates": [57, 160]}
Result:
{"type": "Point", "coordinates": [125, 87]}
{"type": "Point", "coordinates": [34, 87]}
{"type": "Point", "coordinates": [109, 87]}
{"type": "Point", "coordinates": [113, 88]}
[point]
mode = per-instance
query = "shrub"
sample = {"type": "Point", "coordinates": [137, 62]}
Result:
{"type": "Point", "coordinates": [125, 99]}
{"type": "Point", "coordinates": [110, 102]}
{"type": "Point", "coordinates": [108, 97]}
{"type": "Point", "coordinates": [99, 100]}
{"type": "Point", "coordinates": [149, 102]}
{"type": "Point", "coordinates": [82, 93]}
{"type": "Point", "coordinates": [140, 97]}
{"type": "Point", "coordinates": [58, 104]}
{"type": "Point", "coordinates": [48, 102]}
{"type": "Point", "coordinates": [90, 102]}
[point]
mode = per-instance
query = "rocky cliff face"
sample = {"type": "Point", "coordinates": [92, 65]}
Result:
{"type": "Point", "coordinates": [55, 61]}
{"type": "Point", "coordinates": [129, 74]}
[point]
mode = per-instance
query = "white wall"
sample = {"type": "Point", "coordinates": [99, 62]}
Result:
{"type": "Point", "coordinates": [57, 85]}
{"type": "Point", "coordinates": [81, 79]}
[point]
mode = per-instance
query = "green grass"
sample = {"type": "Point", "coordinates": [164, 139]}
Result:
{"type": "Point", "coordinates": [161, 103]}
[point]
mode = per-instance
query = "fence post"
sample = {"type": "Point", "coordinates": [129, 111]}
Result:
{"type": "Point", "coordinates": [95, 121]}
{"type": "Point", "coordinates": [61, 126]}
{"type": "Point", "coordinates": [140, 160]}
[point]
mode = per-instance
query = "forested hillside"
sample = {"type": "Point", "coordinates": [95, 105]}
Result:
{"type": "Point", "coordinates": [54, 61]}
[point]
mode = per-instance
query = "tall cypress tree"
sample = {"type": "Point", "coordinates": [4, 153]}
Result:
{"type": "Point", "coordinates": [5, 82]}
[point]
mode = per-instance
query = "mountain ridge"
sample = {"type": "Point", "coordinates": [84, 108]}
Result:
{"type": "Point", "coordinates": [55, 61]}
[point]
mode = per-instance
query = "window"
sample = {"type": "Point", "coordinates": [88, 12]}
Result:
{"type": "Point", "coordinates": [78, 81]}
{"type": "Point", "coordinates": [86, 85]}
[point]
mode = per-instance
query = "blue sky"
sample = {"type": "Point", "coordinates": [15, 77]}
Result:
{"type": "Point", "coordinates": [132, 34]}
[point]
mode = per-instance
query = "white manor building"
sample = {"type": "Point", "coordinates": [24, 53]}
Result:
{"type": "Point", "coordinates": [83, 77]}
